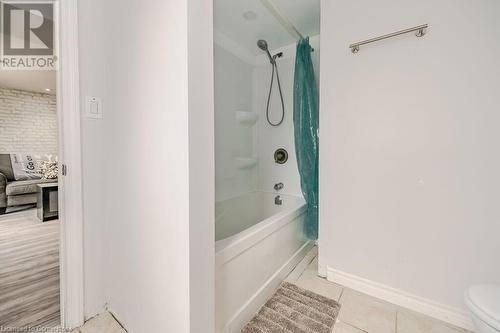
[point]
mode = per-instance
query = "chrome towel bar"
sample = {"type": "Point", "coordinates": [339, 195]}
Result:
{"type": "Point", "coordinates": [420, 31]}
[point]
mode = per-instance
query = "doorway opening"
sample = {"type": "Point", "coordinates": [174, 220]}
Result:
{"type": "Point", "coordinates": [41, 273]}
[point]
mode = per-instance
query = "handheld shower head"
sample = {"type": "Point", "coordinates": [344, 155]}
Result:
{"type": "Point", "coordinates": [262, 44]}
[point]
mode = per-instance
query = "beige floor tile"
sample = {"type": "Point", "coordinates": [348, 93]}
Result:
{"type": "Point", "coordinates": [311, 281]}
{"type": "Point", "coordinates": [302, 266]}
{"type": "Point", "coordinates": [411, 322]}
{"type": "Point", "coordinates": [290, 278]}
{"type": "Point", "coordinates": [103, 323]}
{"type": "Point", "coordinates": [313, 266]}
{"type": "Point", "coordinates": [341, 327]}
{"type": "Point", "coordinates": [367, 313]}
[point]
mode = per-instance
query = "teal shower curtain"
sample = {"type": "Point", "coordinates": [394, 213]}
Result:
{"type": "Point", "coordinates": [306, 121]}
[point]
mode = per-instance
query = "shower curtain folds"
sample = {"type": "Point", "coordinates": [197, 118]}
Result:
{"type": "Point", "coordinates": [306, 122]}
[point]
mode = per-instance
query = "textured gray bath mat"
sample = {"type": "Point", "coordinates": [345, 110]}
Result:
{"type": "Point", "coordinates": [294, 310]}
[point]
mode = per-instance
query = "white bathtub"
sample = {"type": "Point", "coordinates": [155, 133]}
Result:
{"type": "Point", "coordinates": [257, 244]}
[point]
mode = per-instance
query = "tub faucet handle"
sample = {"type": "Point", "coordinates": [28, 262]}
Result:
{"type": "Point", "coordinates": [278, 186]}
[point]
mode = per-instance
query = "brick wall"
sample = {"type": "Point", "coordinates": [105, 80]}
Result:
{"type": "Point", "coordinates": [28, 122]}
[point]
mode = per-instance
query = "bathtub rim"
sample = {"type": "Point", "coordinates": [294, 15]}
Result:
{"type": "Point", "coordinates": [230, 247]}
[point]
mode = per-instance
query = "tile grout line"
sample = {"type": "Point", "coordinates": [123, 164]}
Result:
{"type": "Point", "coordinates": [351, 325]}
{"type": "Point", "coordinates": [341, 294]}
{"type": "Point", "coordinates": [116, 319]}
{"type": "Point", "coordinates": [396, 322]}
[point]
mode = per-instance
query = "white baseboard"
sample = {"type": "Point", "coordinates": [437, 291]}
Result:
{"type": "Point", "coordinates": [456, 317]}
{"type": "Point", "coordinates": [250, 308]}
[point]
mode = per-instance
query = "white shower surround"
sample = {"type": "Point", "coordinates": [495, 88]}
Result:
{"type": "Point", "coordinates": [237, 90]}
{"type": "Point", "coordinates": [259, 243]}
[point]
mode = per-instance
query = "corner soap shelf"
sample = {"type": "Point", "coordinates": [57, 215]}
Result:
{"type": "Point", "coordinates": [244, 163]}
{"type": "Point", "coordinates": [246, 118]}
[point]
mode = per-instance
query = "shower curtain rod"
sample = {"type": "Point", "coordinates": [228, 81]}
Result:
{"type": "Point", "coordinates": [283, 20]}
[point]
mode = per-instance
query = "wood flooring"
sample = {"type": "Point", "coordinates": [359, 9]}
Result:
{"type": "Point", "coordinates": [29, 271]}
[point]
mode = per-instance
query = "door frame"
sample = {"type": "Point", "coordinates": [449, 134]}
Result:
{"type": "Point", "coordinates": [70, 165]}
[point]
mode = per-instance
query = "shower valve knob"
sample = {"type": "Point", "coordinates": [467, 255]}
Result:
{"type": "Point", "coordinates": [278, 186]}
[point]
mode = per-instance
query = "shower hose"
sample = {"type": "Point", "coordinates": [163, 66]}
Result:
{"type": "Point", "coordinates": [274, 65]}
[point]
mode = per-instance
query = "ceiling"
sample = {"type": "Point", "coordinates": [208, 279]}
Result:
{"type": "Point", "coordinates": [37, 81]}
{"type": "Point", "coordinates": [229, 19]}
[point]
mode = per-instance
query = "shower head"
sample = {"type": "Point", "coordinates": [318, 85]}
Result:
{"type": "Point", "coordinates": [262, 44]}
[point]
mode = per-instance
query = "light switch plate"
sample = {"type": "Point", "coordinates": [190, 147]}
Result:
{"type": "Point", "coordinates": [93, 107]}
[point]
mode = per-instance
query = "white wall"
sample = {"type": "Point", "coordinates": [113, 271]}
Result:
{"type": "Point", "coordinates": [233, 92]}
{"type": "Point", "coordinates": [148, 183]}
{"type": "Point", "coordinates": [147, 189]}
{"type": "Point", "coordinates": [269, 138]}
{"type": "Point", "coordinates": [92, 44]}
{"type": "Point", "coordinates": [201, 167]}
{"type": "Point", "coordinates": [28, 122]}
{"type": "Point", "coordinates": [409, 145]}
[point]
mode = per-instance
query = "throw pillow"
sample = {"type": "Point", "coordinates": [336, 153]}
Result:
{"type": "Point", "coordinates": [48, 169]}
{"type": "Point", "coordinates": [25, 166]}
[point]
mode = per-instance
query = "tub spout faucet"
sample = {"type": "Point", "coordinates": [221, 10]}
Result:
{"type": "Point", "coordinates": [278, 201]}
{"type": "Point", "coordinates": [278, 186]}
